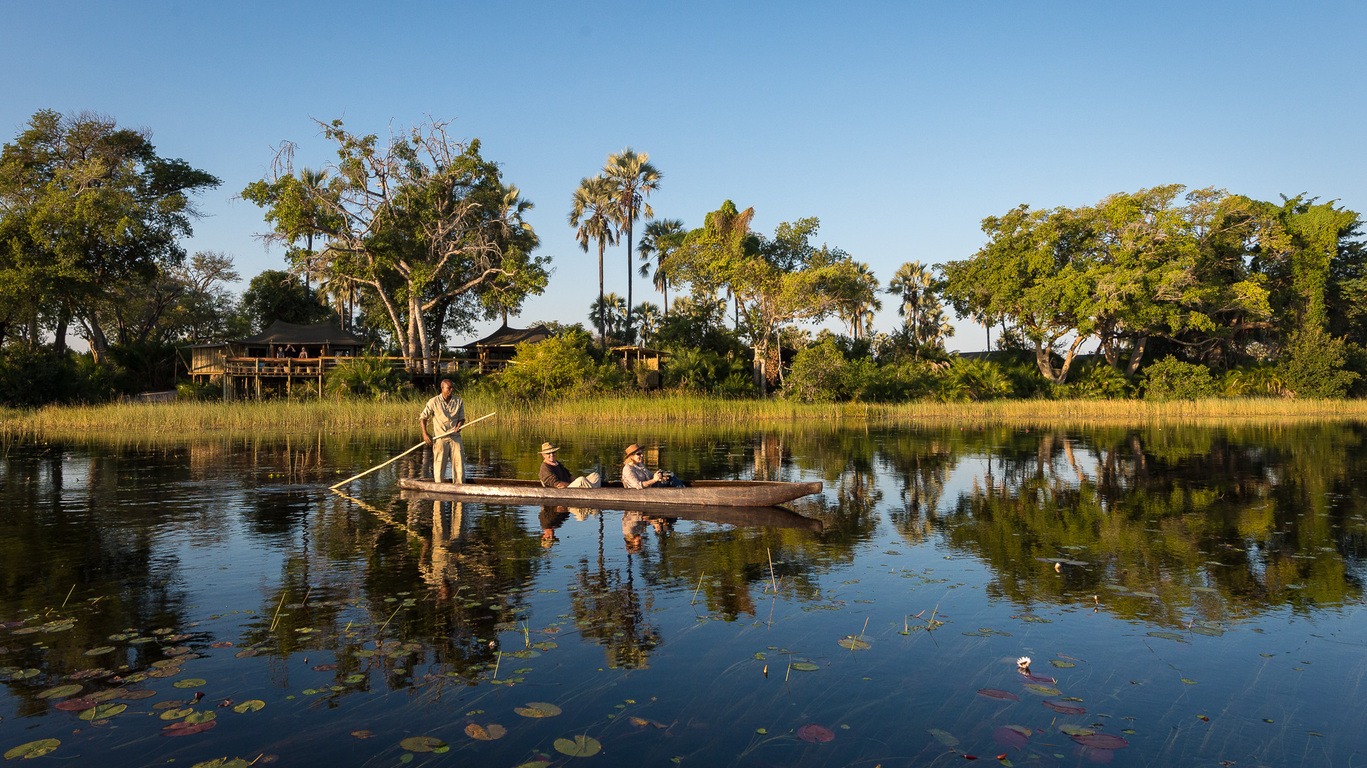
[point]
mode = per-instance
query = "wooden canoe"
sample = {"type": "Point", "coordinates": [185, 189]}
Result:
{"type": "Point", "coordinates": [737, 517]}
{"type": "Point", "coordinates": [709, 493]}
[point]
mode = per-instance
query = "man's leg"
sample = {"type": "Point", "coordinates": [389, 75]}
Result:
{"type": "Point", "coordinates": [457, 460]}
{"type": "Point", "coordinates": [441, 453]}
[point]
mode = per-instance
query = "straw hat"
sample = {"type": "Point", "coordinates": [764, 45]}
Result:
{"type": "Point", "coordinates": [548, 448]}
{"type": "Point", "coordinates": [632, 450]}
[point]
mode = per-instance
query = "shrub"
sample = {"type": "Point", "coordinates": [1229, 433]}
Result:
{"type": "Point", "coordinates": [820, 374]}
{"type": "Point", "coordinates": [1313, 365]}
{"type": "Point", "coordinates": [897, 382]}
{"type": "Point", "coordinates": [199, 390]}
{"type": "Point", "coordinates": [556, 368]}
{"type": "Point", "coordinates": [967, 379]}
{"type": "Point", "coordinates": [1172, 379]}
{"type": "Point", "coordinates": [1095, 381]}
{"type": "Point", "coordinates": [1253, 381]}
{"type": "Point", "coordinates": [369, 378]}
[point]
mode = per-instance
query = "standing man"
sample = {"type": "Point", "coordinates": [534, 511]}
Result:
{"type": "Point", "coordinates": [447, 413]}
{"type": "Point", "coordinates": [555, 475]}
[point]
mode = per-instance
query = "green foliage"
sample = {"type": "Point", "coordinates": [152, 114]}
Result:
{"type": "Point", "coordinates": [557, 368]}
{"type": "Point", "coordinates": [972, 380]}
{"type": "Point", "coordinates": [820, 374]}
{"type": "Point", "coordinates": [1095, 381]}
{"type": "Point", "coordinates": [199, 391]}
{"type": "Point", "coordinates": [1313, 365]}
{"type": "Point", "coordinates": [1173, 379]}
{"type": "Point", "coordinates": [1252, 381]}
{"type": "Point", "coordinates": [368, 378]}
{"type": "Point", "coordinates": [899, 381]}
{"type": "Point", "coordinates": [277, 295]}
{"type": "Point", "coordinates": [31, 376]}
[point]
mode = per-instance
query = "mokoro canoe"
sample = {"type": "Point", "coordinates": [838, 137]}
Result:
{"type": "Point", "coordinates": [738, 517]}
{"type": "Point", "coordinates": [711, 493]}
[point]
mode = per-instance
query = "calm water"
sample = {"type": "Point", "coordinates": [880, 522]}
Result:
{"type": "Point", "coordinates": [1186, 596]}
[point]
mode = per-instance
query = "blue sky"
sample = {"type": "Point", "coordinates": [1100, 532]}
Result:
{"type": "Point", "coordinates": [899, 125]}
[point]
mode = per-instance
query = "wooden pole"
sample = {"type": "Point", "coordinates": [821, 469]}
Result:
{"type": "Point", "coordinates": [410, 450]}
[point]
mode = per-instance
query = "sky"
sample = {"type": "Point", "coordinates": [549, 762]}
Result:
{"type": "Point", "coordinates": [900, 125]}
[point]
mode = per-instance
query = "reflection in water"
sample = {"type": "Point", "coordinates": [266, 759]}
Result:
{"type": "Point", "coordinates": [1214, 568]}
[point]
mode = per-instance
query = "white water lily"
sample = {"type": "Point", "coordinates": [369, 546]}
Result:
{"type": "Point", "coordinates": [1023, 663]}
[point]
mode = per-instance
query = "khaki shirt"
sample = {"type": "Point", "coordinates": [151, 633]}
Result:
{"type": "Point", "coordinates": [444, 414]}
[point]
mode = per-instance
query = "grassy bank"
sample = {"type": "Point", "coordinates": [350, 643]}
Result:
{"type": "Point", "coordinates": [301, 417]}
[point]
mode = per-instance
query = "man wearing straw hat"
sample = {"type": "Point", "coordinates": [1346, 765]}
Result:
{"type": "Point", "coordinates": [635, 475]}
{"type": "Point", "coordinates": [447, 414]}
{"type": "Point", "coordinates": [554, 474]}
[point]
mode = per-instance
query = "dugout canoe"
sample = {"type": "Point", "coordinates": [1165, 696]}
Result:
{"type": "Point", "coordinates": [707, 493]}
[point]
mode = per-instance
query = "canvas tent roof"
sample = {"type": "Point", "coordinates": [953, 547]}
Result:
{"type": "Point", "coordinates": [507, 336]}
{"type": "Point", "coordinates": [281, 332]}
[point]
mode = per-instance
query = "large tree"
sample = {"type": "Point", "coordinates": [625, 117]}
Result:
{"type": "Point", "coordinates": [774, 281]}
{"type": "Point", "coordinates": [591, 213]}
{"type": "Point", "coordinates": [422, 221]}
{"type": "Point", "coordinates": [632, 179]}
{"type": "Point", "coordinates": [86, 207]}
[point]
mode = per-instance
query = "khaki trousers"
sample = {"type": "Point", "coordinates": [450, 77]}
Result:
{"type": "Point", "coordinates": [444, 451]}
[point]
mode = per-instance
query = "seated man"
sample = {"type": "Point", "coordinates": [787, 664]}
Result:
{"type": "Point", "coordinates": [635, 475]}
{"type": "Point", "coordinates": [554, 474]}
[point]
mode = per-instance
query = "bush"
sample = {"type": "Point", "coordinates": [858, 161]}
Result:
{"type": "Point", "coordinates": [897, 382]}
{"type": "Point", "coordinates": [820, 374]}
{"type": "Point", "coordinates": [1095, 381]}
{"type": "Point", "coordinates": [369, 378]}
{"type": "Point", "coordinates": [967, 379]}
{"type": "Point", "coordinates": [556, 368]}
{"type": "Point", "coordinates": [1253, 381]}
{"type": "Point", "coordinates": [1172, 379]}
{"type": "Point", "coordinates": [199, 390]}
{"type": "Point", "coordinates": [1313, 365]}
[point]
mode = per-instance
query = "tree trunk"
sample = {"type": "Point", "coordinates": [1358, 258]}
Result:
{"type": "Point", "coordinates": [602, 301]}
{"type": "Point", "coordinates": [99, 344]}
{"type": "Point", "coordinates": [630, 337]}
{"type": "Point", "coordinates": [59, 333]}
{"type": "Point", "coordinates": [1136, 355]}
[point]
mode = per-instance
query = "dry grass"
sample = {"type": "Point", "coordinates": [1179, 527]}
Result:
{"type": "Point", "coordinates": [186, 419]}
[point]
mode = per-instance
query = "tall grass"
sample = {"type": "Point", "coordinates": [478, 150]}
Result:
{"type": "Point", "coordinates": [188, 419]}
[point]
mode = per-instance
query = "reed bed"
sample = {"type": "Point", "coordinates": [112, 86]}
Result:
{"type": "Point", "coordinates": [283, 417]}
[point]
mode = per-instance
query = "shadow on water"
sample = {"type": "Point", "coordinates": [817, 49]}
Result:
{"type": "Point", "coordinates": [1185, 594]}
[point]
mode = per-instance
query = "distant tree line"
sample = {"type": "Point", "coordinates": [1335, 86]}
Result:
{"type": "Point", "coordinates": [406, 241]}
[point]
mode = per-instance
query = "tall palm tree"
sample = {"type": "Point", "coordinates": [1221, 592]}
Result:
{"type": "Point", "coordinates": [613, 310]}
{"type": "Point", "coordinates": [633, 178]}
{"type": "Point", "coordinates": [649, 317]}
{"type": "Point", "coordinates": [591, 210]}
{"type": "Point", "coordinates": [860, 302]}
{"type": "Point", "coordinates": [912, 283]}
{"type": "Point", "coordinates": [660, 238]}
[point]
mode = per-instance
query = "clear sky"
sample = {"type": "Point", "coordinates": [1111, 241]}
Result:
{"type": "Point", "coordinates": [900, 125]}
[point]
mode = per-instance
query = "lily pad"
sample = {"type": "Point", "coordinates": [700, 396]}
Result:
{"type": "Point", "coordinates": [102, 711]}
{"type": "Point", "coordinates": [189, 682]}
{"type": "Point", "coordinates": [993, 693]}
{"type": "Point", "coordinates": [944, 737]}
{"type": "Point", "coordinates": [1043, 690]}
{"type": "Point", "coordinates": [1065, 709]}
{"type": "Point", "coordinates": [32, 749]}
{"type": "Point", "coordinates": [176, 713]}
{"type": "Point", "coordinates": [489, 732]}
{"type": "Point", "coordinates": [805, 666]}
{"type": "Point", "coordinates": [538, 709]}
{"type": "Point", "coordinates": [1076, 730]}
{"type": "Point", "coordinates": [75, 705]}
{"type": "Point", "coordinates": [102, 650]}
{"type": "Point", "coordinates": [1100, 741]}
{"type": "Point", "coordinates": [815, 734]}
{"type": "Point", "coordinates": [223, 762]}
{"type": "Point", "coordinates": [853, 643]}
{"type": "Point", "coordinates": [1166, 635]}
{"type": "Point", "coordinates": [1062, 664]}
{"type": "Point", "coordinates": [1011, 736]}
{"type": "Point", "coordinates": [250, 705]}
{"type": "Point", "coordinates": [579, 746]}
{"type": "Point", "coordinates": [60, 692]}
{"type": "Point", "coordinates": [188, 729]}
{"type": "Point", "coordinates": [423, 744]}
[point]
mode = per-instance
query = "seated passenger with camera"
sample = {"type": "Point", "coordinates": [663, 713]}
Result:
{"type": "Point", "coordinates": [635, 474]}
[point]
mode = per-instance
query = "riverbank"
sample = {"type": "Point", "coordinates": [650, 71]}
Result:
{"type": "Point", "coordinates": [309, 417]}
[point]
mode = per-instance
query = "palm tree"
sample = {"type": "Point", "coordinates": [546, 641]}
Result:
{"type": "Point", "coordinates": [660, 238]}
{"type": "Point", "coordinates": [611, 309]}
{"type": "Point", "coordinates": [912, 284]}
{"type": "Point", "coordinates": [858, 306]}
{"type": "Point", "coordinates": [591, 211]}
{"type": "Point", "coordinates": [649, 316]}
{"type": "Point", "coordinates": [633, 178]}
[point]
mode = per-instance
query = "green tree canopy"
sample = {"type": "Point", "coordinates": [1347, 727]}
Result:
{"type": "Point", "coordinates": [87, 207]}
{"type": "Point", "coordinates": [423, 223]}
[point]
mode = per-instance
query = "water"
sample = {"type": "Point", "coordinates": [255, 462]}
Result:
{"type": "Point", "coordinates": [1186, 597]}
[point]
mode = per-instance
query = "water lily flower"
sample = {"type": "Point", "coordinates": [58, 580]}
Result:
{"type": "Point", "coordinates": [1023, 663]}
